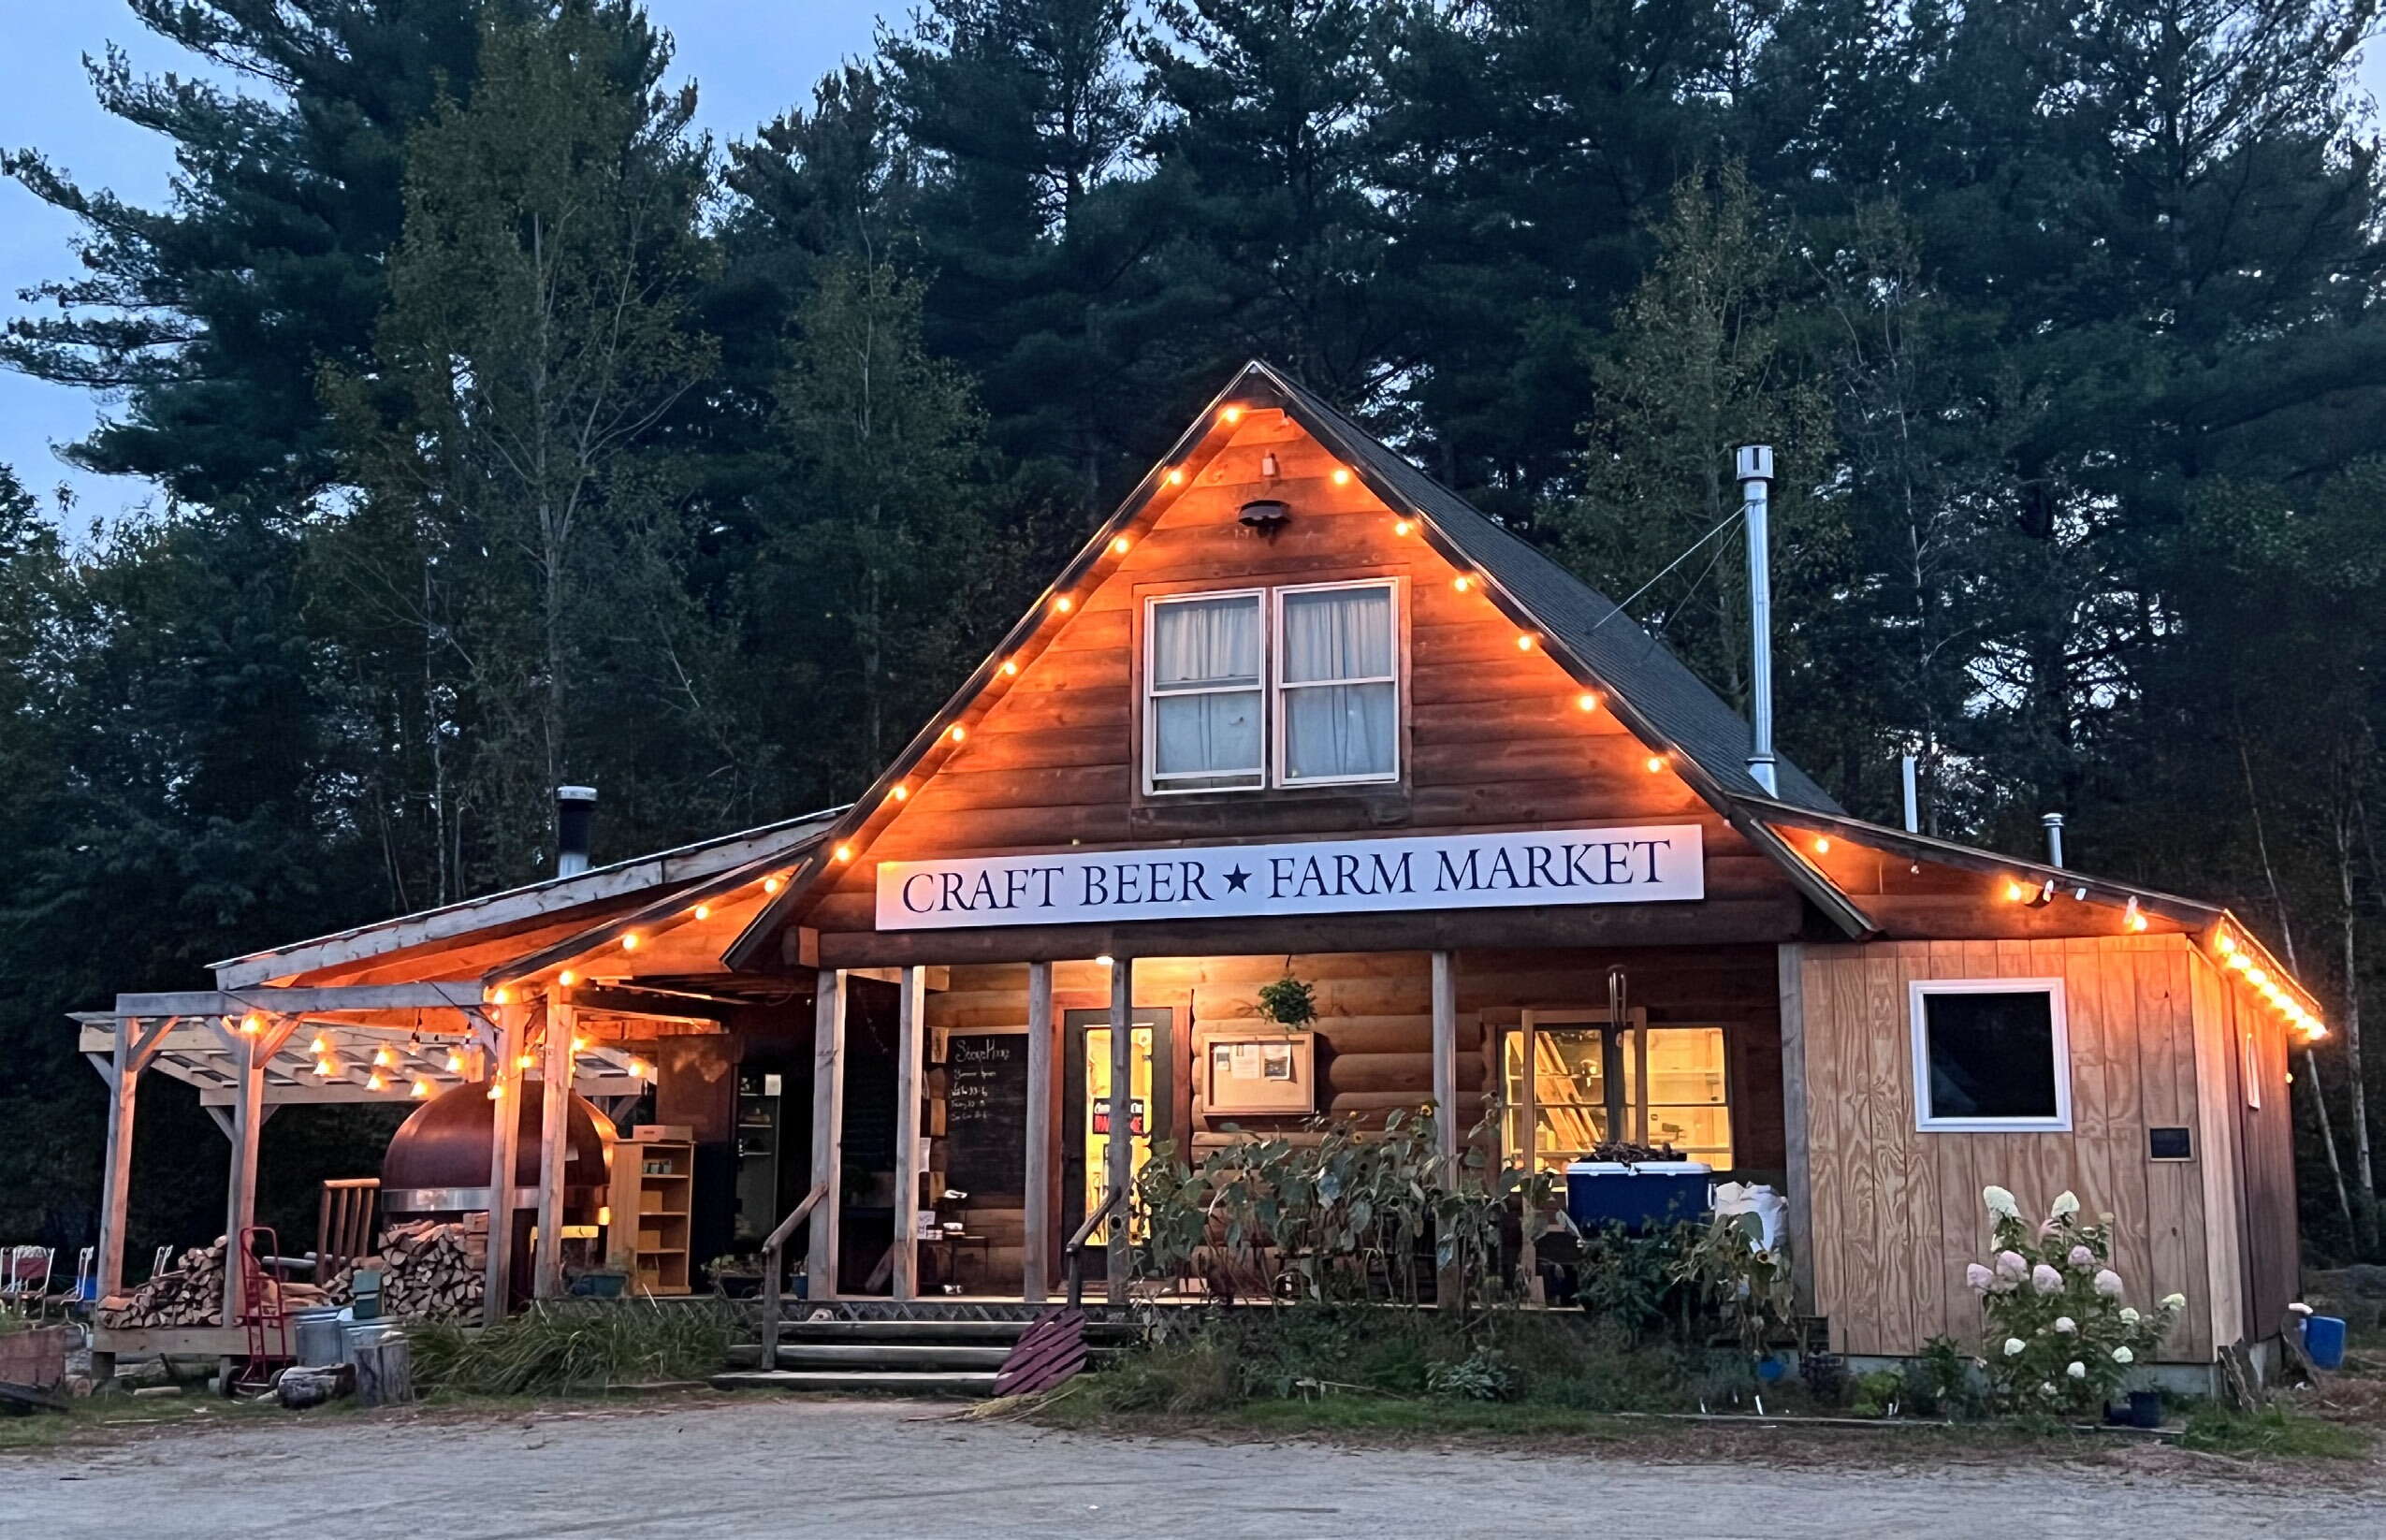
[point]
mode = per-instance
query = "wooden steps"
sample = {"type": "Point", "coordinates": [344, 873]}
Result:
{"type": "Point", "coordinates": [855, 1382]}
{"type": "Point", "coordinates": [950, 1357]}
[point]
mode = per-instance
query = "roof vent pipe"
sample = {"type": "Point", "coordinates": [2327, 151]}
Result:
{"type": "Point", "coordinates": [2054, 822]}
{"type": "Point", "coordinates": [1754, 468]}
{"type": "Point", "coordinates": [575, 822]}
{"type": "Point", "coordinates": [1912, 797]}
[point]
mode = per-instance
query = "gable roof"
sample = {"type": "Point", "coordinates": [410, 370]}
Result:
{"type": "Point", "coordinates": [1678, 704]}
{"type": "Point", "coordinates": [1649, 689]}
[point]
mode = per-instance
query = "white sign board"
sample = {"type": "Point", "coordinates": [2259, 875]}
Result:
{"type": "Point", "coordinates": [1629, 865]}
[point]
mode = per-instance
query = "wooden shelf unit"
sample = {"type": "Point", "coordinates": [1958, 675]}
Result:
{"type": "Point", "coordinates": [652, 1189]}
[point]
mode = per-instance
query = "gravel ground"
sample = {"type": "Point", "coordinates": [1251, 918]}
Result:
{"type": "Point", "coordinates": [872, 1468]}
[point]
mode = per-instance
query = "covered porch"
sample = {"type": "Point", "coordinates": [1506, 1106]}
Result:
{"type": "Point", "coordinates": [1001, 1077]}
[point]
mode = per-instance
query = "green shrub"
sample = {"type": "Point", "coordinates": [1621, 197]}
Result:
{"type": "Point", "coordinates": [557, 1348]}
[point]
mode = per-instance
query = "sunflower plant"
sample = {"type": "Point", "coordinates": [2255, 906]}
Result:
{"type": "Point", "coordinates": [2061, 1334]}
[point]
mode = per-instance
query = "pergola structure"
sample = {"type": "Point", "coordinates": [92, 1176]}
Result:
{"type": "Point", "coordinates": [251, 1052]}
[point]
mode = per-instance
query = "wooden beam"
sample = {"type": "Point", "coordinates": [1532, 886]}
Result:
{"type": "Point", "coordinates": [1527, 1116]}
{"type": "Point", "coordinates": [1121, 1156]}
{"type": "Point", "coordinates": [239, 1204]}
{"type": "Point", "coordinates": [223, 1002]}
{"type": "Point", "coordinates": [115, 1188]}
{"type": "Point", "coordinates": [828, 1131]}
{"type": "Point", "coordinates": [505, 1024]}
{"type": "Point", "coordinates": [910, 1040]}
{"type": "Point", "coordinates": [1035, 1280]}
{"type": "Point", "coordinates": [1795, 1111]}
{"type": "Point", "coordinates": [1446, 1051]}
{"type": "Point", "coordinates": [555, 1143]}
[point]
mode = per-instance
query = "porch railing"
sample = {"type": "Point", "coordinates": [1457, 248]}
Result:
{"type": "Point", "coordinates": [774, 1268]}
{"type": "Point", "coordinates": [1073, 1254]}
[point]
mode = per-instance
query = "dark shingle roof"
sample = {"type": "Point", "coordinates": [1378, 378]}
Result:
{"type": "Point", "coordinates": [1675, 701]}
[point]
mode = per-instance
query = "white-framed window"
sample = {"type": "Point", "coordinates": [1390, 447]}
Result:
{"type": "Point", "coordinates": [1294, 686]}
{"type": "Point", "coordinates": [1337, 683]}
{"type": "Point", "coordinates": [1991, 1055]}
{"type": "Point", "coordinates": [1204, 691]}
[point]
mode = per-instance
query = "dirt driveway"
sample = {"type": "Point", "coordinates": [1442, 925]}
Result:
{"type": "Point", "coordinates": [866, 1469]}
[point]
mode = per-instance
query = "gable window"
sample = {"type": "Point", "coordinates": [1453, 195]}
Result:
{"type": "Point", "coordinates": [1340, 699]}
{"type": "Point", "coordinates": [1205, 699]}
{"type": "Point", "coordinates": [1293, 687]}
{"type": "Point", "coordinates": [1990, 1054]}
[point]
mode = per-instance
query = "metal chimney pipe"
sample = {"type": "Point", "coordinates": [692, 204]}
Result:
{"type": "Point", "coordinates": [2054, 822]}
{"type": "Point", "coordinates": [1912, 797]}
{"type": "Point", "coordinates": [575, 823]}
{"type": "Point", "coordinates": [1754, 468]}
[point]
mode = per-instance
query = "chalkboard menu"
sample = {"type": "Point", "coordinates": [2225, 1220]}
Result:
{"type": "Point", "coordinates": [985, 1114]}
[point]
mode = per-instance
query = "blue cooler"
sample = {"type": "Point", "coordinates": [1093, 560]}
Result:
{"type": "Point", "coordinates": [1638, 1196]}
{"type": "Point", "coordinates": [2324, 1338]}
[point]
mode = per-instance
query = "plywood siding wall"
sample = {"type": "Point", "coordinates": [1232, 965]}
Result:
{"type": "Point", "coordinates": [1896, 1214]}
{"type": "Point", "coordinates": [1492, 737]}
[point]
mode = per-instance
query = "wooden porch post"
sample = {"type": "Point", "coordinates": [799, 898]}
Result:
{"type": "Point", "coordinates": [1121, 1157]}
{"type": "Point", "coordinates": [1794, 1120]}
{"type": "Point", "coordinates": [554, 1141]}
{"type": "Point", "coordinates": [250, 1052]}
{"type": "Point", "coordinates": [910, 1034]}
{"type": "Point", "coordinates": [1034, 1281]}
{"type": "Point", "coordinates": [1529, 1253]}
{"type": "Point", "coordinates": [505, 1038]}
{"type": "Point", "coordinates": [828, 1129]}
{"type": "Point", "coordinates": [1446, 1051]}
{"type": "Point", "coordinates": [122, 1070]}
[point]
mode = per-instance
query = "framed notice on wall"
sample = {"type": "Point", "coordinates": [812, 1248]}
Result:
{"type": "Point", "coordinates": [1258, 1072]}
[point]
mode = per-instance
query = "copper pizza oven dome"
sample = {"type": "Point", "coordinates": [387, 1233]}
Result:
{"type": "Point", "coordinates": [438, 1160]}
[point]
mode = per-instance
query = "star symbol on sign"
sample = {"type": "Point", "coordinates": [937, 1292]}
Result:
{"type": "Point", "coordinates": [1235, 879]}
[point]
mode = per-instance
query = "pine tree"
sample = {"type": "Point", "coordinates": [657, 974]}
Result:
{"type": "Point", "coordinates": [212, 316]}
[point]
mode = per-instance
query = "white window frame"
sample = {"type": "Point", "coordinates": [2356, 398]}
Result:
{"type": "Point", "coordinates": [1920, 990]}
{"type": "Point", "coordinates": [1270, 773]}
{"type": "Point", "coordinates": [1153, 783]}
{"type": "Point", "coordinates": [1279, 687]}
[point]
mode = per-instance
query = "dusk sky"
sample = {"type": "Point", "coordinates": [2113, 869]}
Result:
{"type": "Point", "coordinates": [752, 59]}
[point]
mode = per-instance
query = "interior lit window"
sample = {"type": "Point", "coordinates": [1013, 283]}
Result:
{"type": "Point", "coordinates": [1652, 1085]}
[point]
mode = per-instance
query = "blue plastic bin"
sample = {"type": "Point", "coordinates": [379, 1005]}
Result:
{"type": "Point", "coordinates": [1637, 1196]}
{"type": "Point", "coordinates": [2324, 1338]}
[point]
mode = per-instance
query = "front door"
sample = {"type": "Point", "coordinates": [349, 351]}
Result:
{"type": "Point", "coordinates": [1089, 1104]}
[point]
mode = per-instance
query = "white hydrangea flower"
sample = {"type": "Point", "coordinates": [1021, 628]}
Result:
{"type": "Point", "coordinates": [2122, 1355]}
{"type": "Point", "coordinates": [2015, 1347]}
{"type": "Point", "coordinates": [2129, 1315]}
{"type": "Point", "coordinates": [2065, 1325]}
{"type": "Point", "coordinates": [2077, 1370]}
{"type": "Point", "coordinates": [2000, 1202]}
{"type": "Point", "coordinates": [2081, 1256]}
{"type": "Point", "coordinates": [2066, 1204]}
{"type": "Point", "coordinates": [1979, 1278]}
{"type": "Point", "coordinates": [2108, 1283]}
{"type": "Point", "coordinates": [2046, 1280]}
{"type": "Point", "coordinates": [2012, 1264]}
{"type": "Point", "coordinates": [2174, 1301]}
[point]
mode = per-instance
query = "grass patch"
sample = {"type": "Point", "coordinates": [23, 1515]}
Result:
{"type": "Point", "coordinates": [2273, 1432]}
{"type": "Point", "coordinates": [560, 1347]}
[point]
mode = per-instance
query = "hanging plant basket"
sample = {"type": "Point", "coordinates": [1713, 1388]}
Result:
{"type": "Point", "coordinates": [1290, 1003]}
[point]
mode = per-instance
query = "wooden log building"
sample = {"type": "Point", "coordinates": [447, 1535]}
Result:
{"type": "Point", "coordinates": [1297, 707]}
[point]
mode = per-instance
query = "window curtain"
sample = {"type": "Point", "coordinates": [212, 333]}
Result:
{"type": "Point", "coordinates": [1334, 731]}
{"type": "Point", "coordinates": [1200, 646]}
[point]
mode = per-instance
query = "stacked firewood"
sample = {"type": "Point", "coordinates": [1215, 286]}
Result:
{"type": "Point", "coordinates": [191, 1293]}
{"type": "Point", "coordinates": [429, 1270]}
